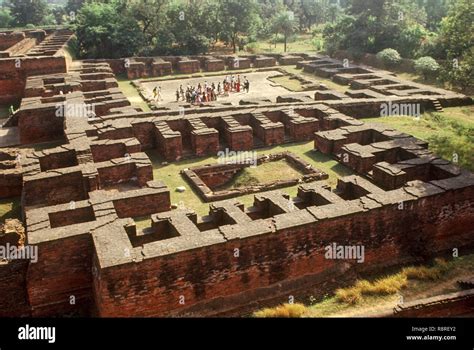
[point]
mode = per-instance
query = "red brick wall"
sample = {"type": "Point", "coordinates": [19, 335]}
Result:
{"type": "Point", "coordinates": [9, 39]}
{"type": "Point", "coordinates": [38, 127]}
{"type": "Point", "coordinates": [11, 183]}
{"type": "Point", "coordinates": [54, 190]}
{"type": "Point", "coordinates": [143, 205]}
{"type": "Point", "coordinates": [13, 77]}
{"type": "Point", "coordinates": [13, 297]}
{"type": "Point", "coordinates": [205, 144]}
{"type": "Point", "coordinates": [218, 175]}
{"type": "Point", "coordinates": [71, 217]}
{"type": "Point", "coordinates": [212, 280]}
{"type": "Point", "coordinates": [458, 304]}
{"type": "Point", "coordinates": [63, 270]}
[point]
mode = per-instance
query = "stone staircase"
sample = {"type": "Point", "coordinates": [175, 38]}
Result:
{"type": "Point", "coordinates": [437, 105]}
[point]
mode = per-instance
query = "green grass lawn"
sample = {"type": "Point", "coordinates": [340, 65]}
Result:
{"type": "Point", "coordinates": [170, 173]}
{"type": "Point", "coordinates": [449, 133]}
{"type": "Point", "coordinates": [290, 84]}
{"type": "Point", "coordinates": [132, 94]}
{"type": "Point", "coordinates": [263, 174]}
{"type": "Point", "coordinates": [301, 43]}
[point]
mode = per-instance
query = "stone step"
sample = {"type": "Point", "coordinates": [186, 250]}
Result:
{"type": "Point", "coordinates": [437, 105]}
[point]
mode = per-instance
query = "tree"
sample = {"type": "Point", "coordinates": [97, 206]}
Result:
{"type": "Point", "coordinates": [376, 25]}
{"type": "Point", "coordinates": [461, 73]}
{"type": "Point", "coordinates": [189, 34]}
{"type": "Point", "coordinates": [435, 11]}
{"type": "Point", "coordinates": [410, 39]}
{"type": "Point", "coordinates": [334, 12]}
{"type": "Point", "coordinates": [284, 23]}
{"type": "Point", "coordinates": [6, 18]}
{"type": "Point", "coordinates": [311, 12]}
{"type": "Point", "coordinates": [28, 12]}
{"type": "Point", "coordinates": [107, 30]}
{"type": "Point", "coordinates": [389, 57]}
{"type": "Point", "coordinates": [457, 28]}
{"type": "Point", "coordinates": [237, 19]}
{"type": "Point", "coordinates": [336, 34]}
{"type": "Point", "coordinates": [149, 14]}
{"type": "Point", "coordinates": [74, 6]}
{"type": "Point", "coordinates": [426, 66]}
{"type": "Point", "coordinates": [59, 14]}
{"type": "Point", "coordinates": [458, 42]}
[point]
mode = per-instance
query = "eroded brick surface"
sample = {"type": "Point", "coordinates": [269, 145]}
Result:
{"type": "Point", "coordinates": [79, 198]}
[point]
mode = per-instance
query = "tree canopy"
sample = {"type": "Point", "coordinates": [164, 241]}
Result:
{"type": "Point", "coordinates": [441, 29]}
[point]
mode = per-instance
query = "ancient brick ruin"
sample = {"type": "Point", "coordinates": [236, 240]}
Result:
{"type": "Point", "coordinates": [79, 199]}
{"type": "Point", "coordinates": [208, 179]}
{"type": "Point", "coordinates": [28, 53]}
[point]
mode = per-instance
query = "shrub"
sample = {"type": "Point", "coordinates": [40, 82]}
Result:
{"type": "Point", "coordinates": [282, 311]}
{"type": "Point", "coordinates": [426, 66]}
{"type": "Point", "coordinates": [389, 57]}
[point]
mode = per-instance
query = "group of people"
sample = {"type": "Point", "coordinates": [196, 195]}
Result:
{"type": "Point", "coordinates": [209, 92]}
{"type": "Point", "coordinates": [201, 93]}
{"type": "Point", "coordinates": [234, 84]}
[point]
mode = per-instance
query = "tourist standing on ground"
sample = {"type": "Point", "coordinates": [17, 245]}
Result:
{"type": "Point", "coordinates": [159, 94]}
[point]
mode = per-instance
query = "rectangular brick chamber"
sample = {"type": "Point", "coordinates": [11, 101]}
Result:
{"type": "Point", "coordinates": [79, 198]}
{"type": "Point", "coordinates": [208, 180]}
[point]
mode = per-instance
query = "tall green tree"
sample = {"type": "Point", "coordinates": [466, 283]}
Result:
{"type": "Point", "coordinates": [107, 30]}
{"type": "Point", "coordinates": [150, 14]}
{"type": "Point", "coordinates": [189, 34]}
{"type": "Point", "coordinates": [458, 41]}
{"type": "Point", "coordinates": [284, 23]}
{"type": "Point", "coordinates": [237, 19]}
{"type": "Point", "coordinates": [311, 12]}
{"type": "Point", "coordinates": [73, 6]}
{"type": "Point", "coordinates": [6, 18]}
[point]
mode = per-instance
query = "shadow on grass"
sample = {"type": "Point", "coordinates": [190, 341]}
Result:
{"type": "Point", "coordinates": [158, 161]}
